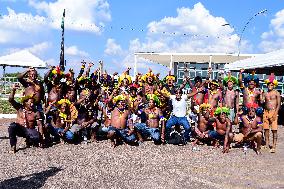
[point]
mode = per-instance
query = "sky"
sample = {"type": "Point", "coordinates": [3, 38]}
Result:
{"type": "Point", "coordinates": [113, 30]}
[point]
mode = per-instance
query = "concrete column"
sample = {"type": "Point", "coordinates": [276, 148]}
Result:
{"type": "Point", "coordinates": [135, 65]}
{"type": "Point", "coordinates": [171, 63]}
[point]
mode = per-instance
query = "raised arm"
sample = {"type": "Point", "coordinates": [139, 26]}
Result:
{"type": "Point", "coordinates": [184, 82]}
{"type": "Point", "coordinates": [82, 69]}
{"type": "Point", "coordinates": [193, 93]}
{"type": "Point", "coordinates": [241, 85]}
{"type": "Point", "coordinates": [21, 76]}
{"type": "Point", "coordinates": [89, 69]}
{"type": "Point", "coordinates": [15, 104]}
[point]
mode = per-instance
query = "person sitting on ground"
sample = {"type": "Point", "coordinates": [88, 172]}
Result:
{"type": "Point", "coordinates": [122, 127]}
{"type": "Point", "coordinates": [204, 123]}
{"type": "Point", "coordinates": [27, 119]}
{"type": "Point", "coordinates": [271, 108]}
{"type": "Point", "coordinates": [222, 129]}
{"type": "Point", "coordinates": [250, 128]}
{"type": "Point", "coordinates": [60, 125]}
{"type": "Point", "coordinates": [151, 127]}
{"type": "Point", "coordinates": [87, 116]}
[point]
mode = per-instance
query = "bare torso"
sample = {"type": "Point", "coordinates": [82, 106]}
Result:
{"type": "Point", "coordinates": [221, 127]}
{"type": "Point", "coordinates": [229, 98]}
{"type": "Point", "coordinates": [249, 123]}
{"type": "Point", "coordinates": [27, 118]}
{"type": "Point", "coordinates": [54, 94]}
{"type": "Point", "coordinates": [119, 118]}
{"type": "Point", "coordinates": [271, 101]}
{"type": "Point", "coordinates": [214, 98]}
{"type": "Point", "coordinates": [250, 96]}
{"type": "Point", "coordinates": [152, 117]}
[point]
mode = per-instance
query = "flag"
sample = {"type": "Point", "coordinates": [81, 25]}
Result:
{"type": "Point", "coordinates": [62, 60]}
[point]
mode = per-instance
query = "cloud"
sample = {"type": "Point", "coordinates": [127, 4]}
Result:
{"type": "Point", "coordinates": [274, 38]}
{"type": "Point", "coordinates": [21, 27]}
{"type": "Point", "coordinates": [83, 15]}
{"type": "Point", "coordinates": [112, 48]}
{"type": "Point", "coordinates": [74, 51]}
{"type": "Point", "coordinates": [38, 49]}
{"type": "Point", "coordinates": [192, 30]}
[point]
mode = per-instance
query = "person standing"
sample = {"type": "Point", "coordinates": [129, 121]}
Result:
{"type": "Point", "coordinates": [271, 107]}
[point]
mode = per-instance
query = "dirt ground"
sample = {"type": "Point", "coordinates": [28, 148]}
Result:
{"type": "Point", "coordinates": [97, 165]}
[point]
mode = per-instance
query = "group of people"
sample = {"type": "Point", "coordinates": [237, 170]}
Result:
{"type": "Point", "coordinates": [65, 108]}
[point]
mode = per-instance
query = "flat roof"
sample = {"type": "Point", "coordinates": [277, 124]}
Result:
{"type": "Point", "coordinates": [166, 58]}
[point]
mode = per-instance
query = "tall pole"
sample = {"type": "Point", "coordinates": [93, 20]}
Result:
{"type": "Point", "coordinates": [62, 60]}
{"type": "Point", "coordinates": [245, 26]}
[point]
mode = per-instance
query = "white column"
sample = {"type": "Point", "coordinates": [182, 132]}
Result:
{"type": "Point", "coordinates": [210, 61]}
{"type": "Point", "coordinates": [171, 63]}
{"type": "Point", "coordinates": [135, 65]}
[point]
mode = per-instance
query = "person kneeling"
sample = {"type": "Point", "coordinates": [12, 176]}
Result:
{"type": "Point", "coordinates": [60, 126]}
{"type": "Point", "coordinates": [151, 127]}
{"type": "Point", "coordinates": [251, 130]}
{"type": "Point", "coordinates": [222, 131]}
{"type": "Point", "coordinates": [119, 128]}
{"type": "Point", "coordinates": [27, 118]}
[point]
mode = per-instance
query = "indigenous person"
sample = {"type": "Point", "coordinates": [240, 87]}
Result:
{"type": "Point", "coordinates": [27, 119]}
{"type": "Point", "coordinates": [214, 96]}
{"type": "Point", "coordinates": [53, 83]}
{"type": "Point", "coordinates": [178, 116]}
{"type": "Point", "coordinates": [124, 81]}
{"type": "Point", "coordinates": [122, 127]}
{"type": "Point", "coordinates": [271, 108]}
{"type": "Point", "coordinates": [222, 131]}
{"type": "Point", "coordinates": [199, 97]}
{"type": "Point", "coordinates": [62, 120]}
{"type": "Point", "coordinates": [87, 115]}
{"type": "Point", "coordinates": [151, 127]}
{"type": "Point", "coordinates": [33, 86]}
{"type": "Point", "coordinates": [250, 93]}
{"type": "Point", "coordinates": [71, 86]}
{"type": "Point", "coordinates": [231, 96]}
{"type": "Point", "coordinates": [204, 124]}
{"type": "Point", "coordinates": [149, 85]}
{"type": "Point", "coordinates": [250, 127]}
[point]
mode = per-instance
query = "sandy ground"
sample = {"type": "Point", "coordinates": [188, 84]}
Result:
{"type": "Point", "coordinates": [97, 165]}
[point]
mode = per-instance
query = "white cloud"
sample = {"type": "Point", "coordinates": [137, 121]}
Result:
{"type": "Point", "coordinates": [112, 48]}
{"type": "Point", "coordinates": [83, 15]}
{"type": "Point", "coordinates": [274, 38]}
{"type": "Point", "coordinates": [21, 27]}
{"type": "Point", "coordinates": [37, 49]}
{"type": "Point", "coordinates": [40, 48]}
{"type": "Point", "coordinates": [192, 30]}
{"type": "Point", "coordinates": [74, 51]}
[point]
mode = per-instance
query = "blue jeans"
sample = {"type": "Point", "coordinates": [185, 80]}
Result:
{"type": "Point", "coordinates": [123, 133]}
{"type": "Point", "coordinates": [178, 121]}
{"type": "Point", "coordinates": [148, 131]}
{"type": "Point", "coordinates": [56, 133]}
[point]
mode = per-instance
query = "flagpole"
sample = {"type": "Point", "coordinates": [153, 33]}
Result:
{"type": "Point", "coordinates": [62, 59]}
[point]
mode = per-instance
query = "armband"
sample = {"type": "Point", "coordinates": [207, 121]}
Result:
{"type": "Point", "coordinates": [259, 123]}
{"type": "Point", "coordinates": [162, 118]}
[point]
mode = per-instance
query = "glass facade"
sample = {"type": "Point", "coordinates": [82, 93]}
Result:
{"type": "Point", "coordinates": [200, 69]}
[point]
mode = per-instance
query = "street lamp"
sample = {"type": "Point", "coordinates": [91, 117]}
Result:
{"type": "Point", "coordinates": [245, 26]}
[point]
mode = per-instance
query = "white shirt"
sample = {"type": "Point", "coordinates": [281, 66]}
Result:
{"type": "Point", "coordinates": [179, 107]}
